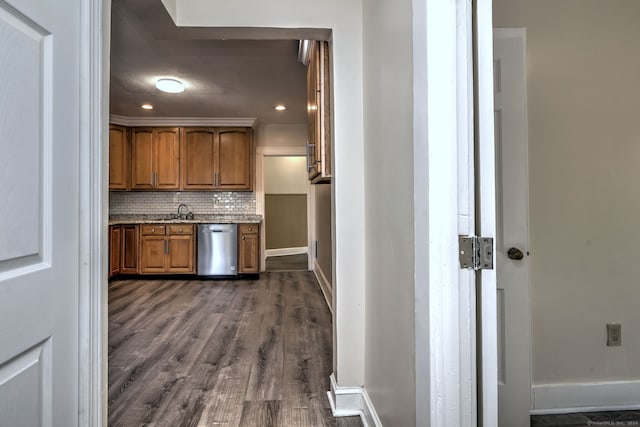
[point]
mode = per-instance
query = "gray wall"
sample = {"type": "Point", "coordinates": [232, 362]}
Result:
{"type": "Point", "coordinates": [584, 156]}
{"type": "Point", "coordinates": [323, 228]}
{"type": "Point", "coordinates": [388, 127]}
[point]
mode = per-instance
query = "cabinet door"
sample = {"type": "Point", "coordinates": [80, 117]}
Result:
{"type": "Point", "coordinates": [249, 248]}
{"type": "Point", "coordinates": [181, 254]}
{"type": "Point", "coordinates": [166, 145]}
{"type": "Point", "coordinates": [319, 114]}
{"type": "Point", "coordinates": [142, 174]}
{"type": "Point", "coordinates": [313, 124]}
{"type": "Point", "coordinates": [114, 250]}
{"type": "Point", "coordinates": [323, 149]}
{"type": "Point", "coordinates": [129, 255]}
{"type": "Point", "coordinates": [153, 251]}
{"type": "Point", "coordinates": [198, 159]}
{"type": "Point", "coordinates": [234, 159]}
{"type": "Point", "coordinates": [118, 158]}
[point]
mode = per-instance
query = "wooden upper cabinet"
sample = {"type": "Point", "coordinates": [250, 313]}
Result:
{"type": "Point", "coordinates": [198, 158]}
{"type": "Point", "coordinates": [234, 159]}
{"type": "Point", "coordinates": [142, 176]}
{"type": "Point", "coordinates": [155, 159]}
{"type": "Point", "coordinates": [118, 158]}
{"type": "Point", "coordinates": [167, 158]}
{"type": "Point", "coordinates": [319, 113]}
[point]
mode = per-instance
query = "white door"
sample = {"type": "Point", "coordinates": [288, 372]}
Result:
{"type": "Point", "coordinates": [39, 212]}
{"type": "Point", "coordinates": [512, 212]}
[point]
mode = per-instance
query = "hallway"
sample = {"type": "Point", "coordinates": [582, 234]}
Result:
{"type": "Point", "coordinates": [220, 353]}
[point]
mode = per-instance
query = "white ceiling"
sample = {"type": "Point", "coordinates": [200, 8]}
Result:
{"type": "Point", "coordinates": [224, 78]}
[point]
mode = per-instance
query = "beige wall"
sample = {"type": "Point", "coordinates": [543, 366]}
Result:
{"type": "Point", "coordinates": [388, 126]}
{"type": "Point", "coordinates": [285, 175]}
{"type": "Point", "coordinates": [323, 228]}
{"type": "Point", "coordinates": [584, 157]}
{"type": "Point", "coordinates": [278, 135]}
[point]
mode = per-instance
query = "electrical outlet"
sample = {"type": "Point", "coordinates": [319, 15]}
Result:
{"type": "Point", "coordinates": [614, 334]}
{"type": "Point", "coordinates": [176, 197]}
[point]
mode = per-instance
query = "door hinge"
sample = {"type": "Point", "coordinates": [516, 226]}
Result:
{"type": "Point", "coordinates": [476, 253]}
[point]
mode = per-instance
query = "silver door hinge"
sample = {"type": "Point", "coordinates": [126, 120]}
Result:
{"type": "Point", "coordinates": [476, 253]}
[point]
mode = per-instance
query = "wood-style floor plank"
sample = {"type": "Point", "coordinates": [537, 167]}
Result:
{"type": "Point", "coordinates": [203, 353]}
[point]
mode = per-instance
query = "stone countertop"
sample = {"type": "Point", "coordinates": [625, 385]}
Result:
{"type": "Point", "coordinates": [197, 219]}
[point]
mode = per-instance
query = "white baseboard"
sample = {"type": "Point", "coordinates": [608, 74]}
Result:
{"type": "Point", "coordinates": [325, 284]}
{"type": "Point", "coordinates": [287, 251]}
{"type": "Point", "coordinates": [352, 401]}
{"type": "Point", "coordinates": [585, 397]}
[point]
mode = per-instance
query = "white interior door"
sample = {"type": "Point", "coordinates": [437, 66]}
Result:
{"type": "Point", "coordinates": [39, 212]}
{"type": "Point", "coordinates": [513, 303]}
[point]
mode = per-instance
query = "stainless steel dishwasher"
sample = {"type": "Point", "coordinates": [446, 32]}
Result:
{"type": "Point", "coordinates": [217, 249]}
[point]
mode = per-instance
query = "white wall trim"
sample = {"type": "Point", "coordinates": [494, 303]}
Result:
{"type": "Point", "coordinates": [585, 397]}
{"type": "Point", "coordinates": [281, 151]}
{"type": "Point", "coordinates": [325, 284]}
{"type": "Point", "coordinates": [287, 251]}
{"type": "Point", "coordinates": [352, 401]}
{"type": "Point", "coordinates": [182, 121]}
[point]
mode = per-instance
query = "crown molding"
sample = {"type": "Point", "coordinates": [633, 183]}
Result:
{"type": "Point", "coordinates": [183, 121]}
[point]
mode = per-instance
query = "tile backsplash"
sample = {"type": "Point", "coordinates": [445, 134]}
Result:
{"type": "Point", "coordinates": [166, 202]}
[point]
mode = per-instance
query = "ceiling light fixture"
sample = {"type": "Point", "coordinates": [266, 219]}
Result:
{"type": "Point", "coordinates": [170, 85]}
{"type": "Point", "coordinates": [280, 107]}
{"type": "Point", "coordinates": [147, 107]}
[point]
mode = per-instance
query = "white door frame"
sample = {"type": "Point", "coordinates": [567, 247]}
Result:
{"type": "Point", "coordinates": [440, 384]}
{"type": "Point", "coordinates": [444, 133]}
{"type": "Point", "coordinates": [92, 315]}
{"type": "Point", "coordinates": [261, 153]}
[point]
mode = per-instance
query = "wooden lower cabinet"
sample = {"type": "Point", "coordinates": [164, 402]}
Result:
{"type": "Point", "coordinates": [114, 250]}
{"type": "Point", "coordinates": [248, 248]}
{"type": "Point", "coordinates": [167, 249]}
{"type": "Point", "coordinates": [129, 249]}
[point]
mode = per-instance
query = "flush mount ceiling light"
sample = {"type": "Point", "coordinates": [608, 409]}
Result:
{"type": "Point", "coordinates": [280, 107]}
{"type": "Point", "coordinates": [147, 107]}
{"type": "Point", "coordinates": [170, 85]}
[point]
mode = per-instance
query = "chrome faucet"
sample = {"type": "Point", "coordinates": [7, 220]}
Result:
{"type": "Point", "coordinates": [188, 215]}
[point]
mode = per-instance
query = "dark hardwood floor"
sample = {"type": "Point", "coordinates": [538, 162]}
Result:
{"type": "Point", "coordinates": [220, 353]}
{"type": "Point", "coordinates": [287, 263]}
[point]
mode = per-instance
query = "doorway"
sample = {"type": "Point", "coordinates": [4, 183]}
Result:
{"type": "Point", "coordinates": [286, 193]}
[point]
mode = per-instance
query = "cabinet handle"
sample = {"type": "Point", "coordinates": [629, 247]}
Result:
{"type": "Point", "coordinates": [250, 229]}
{"type": "Point", "coordinates": [153, 230]}
{"type": "Point", "coordinates": [181, 230]}
{"type": "Point", "coordinates": [243, 237]}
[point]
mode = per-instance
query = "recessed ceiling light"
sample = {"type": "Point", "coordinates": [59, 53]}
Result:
{"type": "Point", "coordinates": [147, 107]}
{"type": "Point", "coordinates": [170, 85]}
{"type": "Point", "coordinates": [280, 107]}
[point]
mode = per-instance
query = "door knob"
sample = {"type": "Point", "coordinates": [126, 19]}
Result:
{"type": "Point", "coordinates": [515, 253]}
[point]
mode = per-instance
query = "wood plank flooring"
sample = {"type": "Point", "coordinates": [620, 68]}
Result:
{"type": "Point", "coordinates": [287, 263]}
{"type": "Point", "coordinates": [220, 353]}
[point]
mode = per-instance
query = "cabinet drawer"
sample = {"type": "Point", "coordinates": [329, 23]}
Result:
{"type": "Point", "coordinates": [180, 229]}
{"type": "Point", "coordinates": [154, 230]}
{"type": "Point", "coordinates": [248, 228]}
